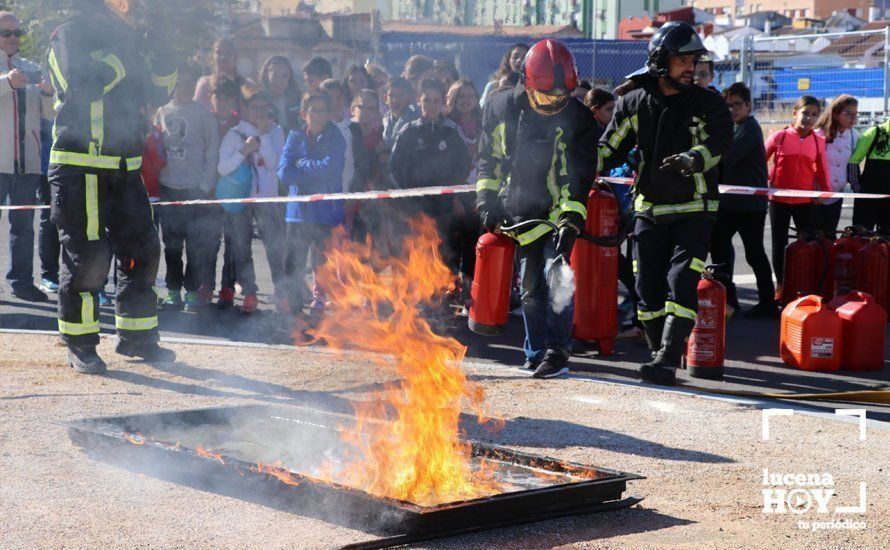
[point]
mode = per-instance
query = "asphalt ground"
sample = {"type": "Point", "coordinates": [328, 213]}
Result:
{"type": "Point", "coordinates": [752, 362]}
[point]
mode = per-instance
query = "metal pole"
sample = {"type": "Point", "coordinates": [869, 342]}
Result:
{"type": "Point", "coordinates": [886, 68]}
{"type": "Point", "coordinates": [593, 19]}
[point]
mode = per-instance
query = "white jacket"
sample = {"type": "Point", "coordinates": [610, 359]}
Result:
{"type": "Point", "coordinates": [264, 161]}
{"type": "Point", "coordinates": [36, 107]}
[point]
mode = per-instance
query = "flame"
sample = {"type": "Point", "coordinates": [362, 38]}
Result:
{"type": "Point", "coordinates": [134, 438]}
{"type": "Point", "coordinates": [206, 453]}
{"type": "Point", "coordinates": [276, 470]}
{"type": "Point", "coordinates": [417, 456]}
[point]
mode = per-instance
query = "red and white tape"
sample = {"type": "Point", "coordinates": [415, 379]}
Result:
{"type": "Point", "coordinates": [469, 188]}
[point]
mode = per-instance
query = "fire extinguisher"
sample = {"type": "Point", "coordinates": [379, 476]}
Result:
{"type": "Point", "coordinates": [596, 275]}
{"type": "Point", "coordinates": [707, 343]}
{"type": "Point", "coordinates": [871, 266]}
{"type": "Point", "coordinates": [846, 247]}
{"type": "Point", "coordinates": [492, 279]}
{"type": "Point", "coordinates": [803, 276]}
{"type": "Point", "coordinates": [826, 259]}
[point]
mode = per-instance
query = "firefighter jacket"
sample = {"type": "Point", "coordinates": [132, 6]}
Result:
{"type": "Point", "coordinates": [540, 167]}
{"type": "Point", "coordinates": [103, 81]}
{"type": "Point", "coordinates": [695, 121]}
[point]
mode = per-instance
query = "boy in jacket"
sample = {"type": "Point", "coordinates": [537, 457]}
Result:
{"type": "Point", "coordinates": [312, 162]}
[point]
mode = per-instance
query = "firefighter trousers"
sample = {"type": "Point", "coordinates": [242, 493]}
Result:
{"type": "Point", "coordinates": [99, 215]}
{"type": "Point", "coordinates": [669, 259]}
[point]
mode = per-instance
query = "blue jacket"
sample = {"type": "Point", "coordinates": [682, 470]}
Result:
{"type": "Point", "coordinates": [310, 168]}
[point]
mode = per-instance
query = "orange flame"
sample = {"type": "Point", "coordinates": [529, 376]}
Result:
{"type": "Point", "coordinates": [204, 452]}
{"type": "Point", "coordinates": [275, 470]}
{"type": "Point", "coordinates": [418, 456]}
{"type": "Point", "coordinates": [135, 438]}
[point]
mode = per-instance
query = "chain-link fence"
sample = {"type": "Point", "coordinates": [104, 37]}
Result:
{"type": "Point", "coordinates": [779, 69]}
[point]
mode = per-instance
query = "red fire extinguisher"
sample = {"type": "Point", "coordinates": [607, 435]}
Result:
{"type": "Point", "coordinates": [826, 259]}
{"type": "Point", "coordinates": [596, 275]}
{"type": "Point", "coordinates": [492, 279]}
{"type": "Point", "coordinates": [801, 277]}
{"type": "Point", "coordinates": [871, 266]}
{"type": "Point", "coordinates": [846, 247]}
{"type": "Point", "coordinates": [707, 343]}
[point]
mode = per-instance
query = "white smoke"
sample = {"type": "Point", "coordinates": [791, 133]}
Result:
{"type": "Point", "coordinates": [561, 283]}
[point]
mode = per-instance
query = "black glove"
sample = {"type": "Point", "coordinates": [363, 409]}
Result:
{"type": "Point", "coordinates": [565, 240]}
{"type": "Point", "coordinates": [683, 163]}
{"type": "Point", "coordinates": [492, 216]}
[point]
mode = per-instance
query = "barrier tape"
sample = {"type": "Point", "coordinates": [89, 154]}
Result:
{"type": "Point", "coordinates": [470, 188]}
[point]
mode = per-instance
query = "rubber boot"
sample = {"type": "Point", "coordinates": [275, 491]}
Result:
{"type": "Point", "coordinates": [147, 351]}
{"type": "Point", "coordinates": [85, 360]}
{"type": "Point", "coordinates": [654, 330]}
{"type": "Point", "coordinates": [662, 369]}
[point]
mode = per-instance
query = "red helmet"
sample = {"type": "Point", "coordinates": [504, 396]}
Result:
{"type": "Point", "coordinates": [549, 75]}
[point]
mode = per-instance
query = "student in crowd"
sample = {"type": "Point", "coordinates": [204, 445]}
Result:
{"type": "Point", "coordinates": [277, 78]}
{"type": "Point", "coordinates": [873, 148]}
{"type": "Point", "coordinates": [837, 127]}
{"type": "Point", "coordinates": [379, 80]}
{"type": "Point", "coordinates": [367, 145]}
{"type": "Point", "coordinates": [355, 80]}
{"type": "Point", "coordinates": [417, 68]}
{"type": "Point", "coordinates": [224, 62]}
{"type": "Point", "coordinates": [446, 71]}
{"type": "Point", "coordinates": [312, 162]}
{"type": "Point", "coordinates": [510, 68]}
{"type": "Point", "coordinates": [602, 104]}
{"type": "Point", "coordinates": [191, 143]}
{"type": "Point", "coordinates": [428, 153]}
{"type": "Point", "coordinates": [704, 72]}
{"type": "Point", "coordinates": [400, 98]}
{"type": "Point", "coordinates": [799, 162]}
{"type": "Point", "coordinates": [745, 165]}
{"type": "Point", "coordinates": [462, 109]}
{"type": "Point", "coordinates": [340, 116]}
{"type": "Point", "coordinates": [316, 71]}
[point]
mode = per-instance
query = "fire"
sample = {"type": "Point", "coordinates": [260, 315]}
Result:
{"type": "Point", "coordinates": [417, 456]}
{"type": "Point", "coordinates": [275, 470]}
{"type": "Point", "coordinates": [135, 438]}
{"type": "Point", "coordinates": [204, 452]}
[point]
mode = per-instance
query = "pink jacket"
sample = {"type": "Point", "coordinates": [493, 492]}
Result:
{"type": "Point", "coordinates": [799, 163]}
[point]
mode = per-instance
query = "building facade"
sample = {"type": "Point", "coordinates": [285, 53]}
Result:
{"type": "Point", "coordinates": [727, 11]}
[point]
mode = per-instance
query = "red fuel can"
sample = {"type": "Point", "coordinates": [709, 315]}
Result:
{"type": "Point", "coordinates": [864, 323]}
{"type": "Point", "coordinates": [811, 335]}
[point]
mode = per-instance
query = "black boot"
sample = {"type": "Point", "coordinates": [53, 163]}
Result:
{"type": "Point", "coordinates": [654, 330]}
{"type": "Point", "coordinates": [662, 369]}
{"type": "Point", "coordinates": [148, 351]}
{"type": "Point", "coordinates": [85, 360]}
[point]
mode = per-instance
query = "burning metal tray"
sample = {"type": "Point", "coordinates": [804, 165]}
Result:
{"type": "Point", "coordinates": [233, 451]}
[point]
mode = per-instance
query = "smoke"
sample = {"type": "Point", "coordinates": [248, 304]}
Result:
{"type": "Point", "coordinates": [561, 283]}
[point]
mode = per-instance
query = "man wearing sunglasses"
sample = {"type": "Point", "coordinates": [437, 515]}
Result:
{"type": "Point", "coordinates": [99, 66]}
{"type": "Point", "coordinates": [536, 161]}
{"type": "Point", "coordinates": [25, 99]}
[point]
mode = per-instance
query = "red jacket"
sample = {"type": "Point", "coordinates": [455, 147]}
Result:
{"type": "Point", "coordinates": [799, 163]}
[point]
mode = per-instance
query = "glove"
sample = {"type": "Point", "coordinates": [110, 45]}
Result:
{"type": "Point", "coordinates": [565, 240]}
{"type": "Point", "coordinates": [492, 216]}
{"type": "Point", "coordinates": [683, 163]}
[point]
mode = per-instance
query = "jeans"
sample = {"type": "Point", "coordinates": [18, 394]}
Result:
{"type": "Point", "coordinates": [750, 227]}
{"type": "Point", "coordinates": [780, 216]}
{"type": "Point", "coordinates": [20, 189]}
{"type": "Point", "coordinates": [48, 246]}
{"type": "Point", "coordinates": [545, 329]}
{"type": "Point", "coordinates": [184, 228]}
{"type": "Point", "coordinates": [270, 219]}
{"type": "Point", "coordinates": [303, 239]}
{"type": "Point", "coordinates": [238, 255]}
{"type": "Point", "coordinates": [826, 217]}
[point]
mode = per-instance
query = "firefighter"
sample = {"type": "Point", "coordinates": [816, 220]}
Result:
{"type": "Point", "coordinates": [100, 71]}
{"type": "Point", "coordinates": [682, 131]}
{"type": "Point", "coordinates": [535, 163]}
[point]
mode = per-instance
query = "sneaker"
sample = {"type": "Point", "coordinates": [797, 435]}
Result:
{"type": "Point", "coordinates": [763, 310]}
{"type": "Point", "coordinates": [85, 360]}
{"type": "Point", "coordinates": [173, 300]}
{"type": "Point", "coordinates": [191, 301]}
{"type": "Point", "coordinates": [148, 351]}
{"type": "Point", "coordinates": [250, 304]}
{"type": "Point", "coordinates": [226, 298]}
{"type": "Point", "coordinates": [29, 293]}
{"type": "Point", "coordinates": [49, 286]}
{"type": "Point", "coordinates": [104, 300]}
{"type": "Point", "coordinates": [205, 295]}
{"type": "Point", "coordinates": [530, 364]}
{"type": "Point", "coordinates": [555, 364]}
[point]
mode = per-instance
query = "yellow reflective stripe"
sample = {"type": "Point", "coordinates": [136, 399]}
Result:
{"type": "Point", "coordinates": [167, 82]}
{"type": "Point", "coordinates": [135, 323]}
{"type": "Point", "coordinates": [708, 160]}
{"type": "Point", "coordinates": [561, 150]}
{"type": "Point", "coordinates": [636, 266]}
{"type": "Point", "coordinates": [701, 186]}
{"type": "Point", "coordinates": [640, 205]}
{"type": "Point", "coordinates": [697, 265]}
{"type": "Point", "coordinates": [498, 141]}
{"type": "Point", "coordinates": [97, 126]}
{"type": "Point", "coordinates": [619, 135]}
{"type": "Point", "coordinates": [57, 73]}
{"type": "Point", "coordinates": [574, 206]}
{"type": "Point", "coordinates": [634, 122]}
{"type": "Point", "coordinates": [643, 315]}
{"type": "Point", "coordinates": [115, 63]}
{"type": "Point", "coordinates": [533, 234]}
{"type": "Point", "coordinates": [601, 153]}
{"type": "Point", "coordinates": [488, 184]}
{"type": "Point", "coordinates": [87, 325]}
{"type": "Point", "coordinates": [679, 311]}
{"type": "Point", "coordinates": [93, 161]}
{"type": "Point", "coordinates": [92, 206]}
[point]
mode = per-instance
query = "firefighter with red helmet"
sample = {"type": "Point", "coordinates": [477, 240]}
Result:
{"type": "Point", "coordinates": [681, 131]}
{"type": "Point", "coordinates": [99, 69]}
{"type": "Point", "coordinates": [535, 162]}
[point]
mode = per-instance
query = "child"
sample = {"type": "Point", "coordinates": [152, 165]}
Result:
{"type": "Point", "coordinates": [799, 163]}
{"type": "Point", "coordinates": [874, 148]}
{"type": "Point", "coordinates": [367, 144]}
{"type": "Point", "coordinates": [400, 98]}
{"type": "Point", "coordinates": [837, 127]}
{"type": "Point", "coordinates": [312, 162]}
{"type": "Point", "coordinates": [191, 142]}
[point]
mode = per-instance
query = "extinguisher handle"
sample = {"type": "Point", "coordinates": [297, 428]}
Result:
{"type": "Point", "coordinates": [862, 296]}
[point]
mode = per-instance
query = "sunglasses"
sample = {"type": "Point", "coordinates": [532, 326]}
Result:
{"type": "Point", "coordinates": [6, 33]}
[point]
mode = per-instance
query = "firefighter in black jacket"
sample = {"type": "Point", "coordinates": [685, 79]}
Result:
{"type": "Point", "coordinates": [535, 162]}
{"type": "Point", "coordinates": [100, 72]}
{"type": "Point", "coordinates": [682, 131]}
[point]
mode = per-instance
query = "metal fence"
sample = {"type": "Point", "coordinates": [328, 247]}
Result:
{"type": "Point", "coordinates": [779, 69]}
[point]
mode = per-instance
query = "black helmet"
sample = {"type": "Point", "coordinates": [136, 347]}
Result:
{"type": "Point", "coordinates": [672, 39]}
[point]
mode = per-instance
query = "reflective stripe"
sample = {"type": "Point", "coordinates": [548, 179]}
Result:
{"type": "Point", "coordinates": [701, 205]}
{"type": "Point", "coordinates": [643, 315]}
{"type": "Point", "coordinates": [634, 122]}
{"type": "Point", "coordinates": [97, 126]}
{"type": "Point", "coordinates": [133, 324]}
{"type": "Point", "coordinates": [636, 266]}
{"type": "Point", "coordinates": [679, 311]}
{"type": "Point", "coordinates": [93, 161]}
{"type": "Point", "coordinates": [619, 135]}
{"type": "Point", "coordinates": [115, 63]}
{"type": "Point", "coordinates": [167, 82]}
{"type": "Point", "coordinates": [498, 141]}
{"type": "Point", "coordinates": [487, 184]}
{"type": "Point", "coordinates": [57, 73]}
{"type": "Point", "coordinates": [573, 206]}
{"type": "Point", "coordinates": [701, 186]}
{"type": "Point", "coordinates": [91, 190]}
{"type": "Point", "coordinates": [708, 161]}
{"type": "Point", "coordinates": [561, 149]}
{"type": "Point", "coordinates": [533, 234]}
{"type": "Point", "coordinates": [87, 324]}
{"type": "Point", "coordinates": [697, 265]}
